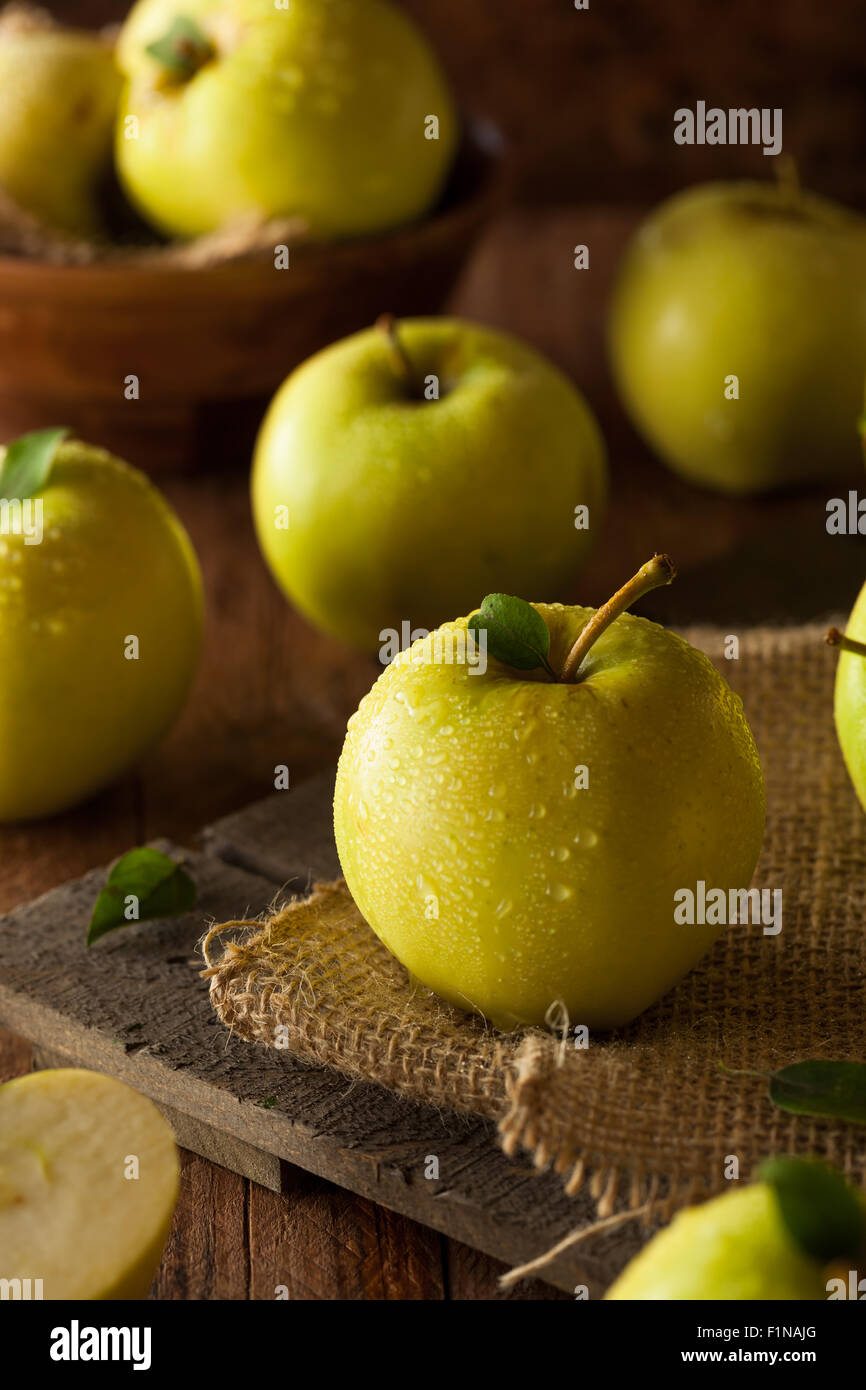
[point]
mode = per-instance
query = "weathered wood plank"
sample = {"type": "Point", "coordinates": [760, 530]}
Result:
{"type": "Point", "coordinates": [287, 837]}
{"type": "Point", "coordinates": [135, 1007]}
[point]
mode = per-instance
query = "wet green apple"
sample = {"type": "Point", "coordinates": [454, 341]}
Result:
{"type": "Point", "coordinates": [516, 838]}
{"type": "Point", "coordinates": [322, 110]}
{"type": "Point", "coordinates": [738, 335]}
{"type": "Point", "coordinates": [377, 504]}
{"type": "Point", "coordinates": [100, 630]}
{"type": "Point", "coordinates": [849, 700]}
{"type": "Point", "coordinates": [88, 1183]}
{"type": "Point", "coordinates": [59, 90]}
{"type": "Point", "coordinates": [733, 1247]}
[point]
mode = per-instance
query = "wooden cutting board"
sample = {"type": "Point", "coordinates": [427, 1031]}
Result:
{"type": "Point", "coordinates": [136, 1008]}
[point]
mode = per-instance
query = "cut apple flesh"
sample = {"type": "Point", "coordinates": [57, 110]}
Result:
{"type": "Point", "coordinates": [88, 1184]}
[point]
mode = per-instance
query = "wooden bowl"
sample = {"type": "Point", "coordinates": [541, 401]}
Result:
{"type": "Point", "coordinates": [210, 345]}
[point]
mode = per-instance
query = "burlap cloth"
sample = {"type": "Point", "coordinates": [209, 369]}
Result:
{"type": "Point", "coordinates": [645, 1114]}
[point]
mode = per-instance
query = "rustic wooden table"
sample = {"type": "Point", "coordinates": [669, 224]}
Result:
{"type": "Point", "coordinates": [271, 690]}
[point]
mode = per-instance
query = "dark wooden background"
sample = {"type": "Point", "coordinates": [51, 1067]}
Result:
{"type": "Point", "coordinates": [588, 96]}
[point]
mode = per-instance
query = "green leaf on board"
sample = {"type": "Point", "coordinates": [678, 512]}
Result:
{"type": "Point", "coordinates": [162, 889]}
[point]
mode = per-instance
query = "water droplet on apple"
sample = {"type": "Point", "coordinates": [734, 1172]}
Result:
{"type": "Point", "coordinates": [560, 892]}
{"type": "Point", "coordinates": [562, 853]}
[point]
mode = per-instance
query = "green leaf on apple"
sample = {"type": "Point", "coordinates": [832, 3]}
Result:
{"type": "Point", "coordinates": [183, 49]}
{"type": "Point", "coordinates": [162, 889]}
{"type": "Point", "coordinates": [27, 463]}
{"type": "Point", "coordinates": [817, 1086]}
{"type": "Point", "coordinates": [516, 633]}
{"type": "Point", "coordinates": [823, 1214]}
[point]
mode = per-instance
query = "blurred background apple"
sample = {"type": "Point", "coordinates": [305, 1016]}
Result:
{"type": "Point", "coordinates": [738, 335]}
{"type": "Point", "coordinates": [337, 114]}
{"type": "Point", "coordinates": [406, 478]}
{"type": "Point", "coordinates": [59, 90]}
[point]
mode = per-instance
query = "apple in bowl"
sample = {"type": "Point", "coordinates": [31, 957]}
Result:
{"type": "Point", "coordinates": [337, 114]}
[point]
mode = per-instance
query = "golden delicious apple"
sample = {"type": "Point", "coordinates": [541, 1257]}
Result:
{"type": "Point", "coordinates": [738, 334]}
{"type": "Point", "coordinates": [100, 629]}
{"type": "Point", "coordinates": [517, 837]}
{"type": "Point", "coordinates": [59, 90]}
{"type": "Point", "coordinates": [400, 475]}
{"type": "Point", "coordinates": [332, 111]}
{"type": "Point", "coordinates": [796, 1234]}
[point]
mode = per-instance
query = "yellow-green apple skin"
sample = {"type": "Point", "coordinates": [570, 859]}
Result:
{"type": "Point", "coordinates": [59, 91]}
{"type": "Point", "coordinates": [75, 1211]}
{"type": "Point", "coordinates": [733, 1247]}
{"type": "Point", "coordinates": [760, 283]}
{"type": "Point", "coordinates": [472, 848]}
{"type": "Point", "coordinates": [850, 700]}
{"type": "Point", "coordinates": [316, 110]}
{"type": "Point", "coordinates": [114, 563]}
{"type": "Point", "coordinates": [404, 509]}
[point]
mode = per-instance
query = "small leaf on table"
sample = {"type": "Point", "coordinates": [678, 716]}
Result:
{"type": "Point", "coordinates": [157, 884]}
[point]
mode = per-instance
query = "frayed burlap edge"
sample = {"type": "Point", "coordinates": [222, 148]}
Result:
{"type": "Point", "coordinates": [312, 979]}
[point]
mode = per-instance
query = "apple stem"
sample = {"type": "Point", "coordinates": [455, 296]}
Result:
{"type": "Point", "coordinates": [788, 177]}
{"type": "Point", "coordinates": [835, 638]}
{"type": "Point", "coordinates": [656, 572]}
{"type": "Point", "coordinates": [387, 324]}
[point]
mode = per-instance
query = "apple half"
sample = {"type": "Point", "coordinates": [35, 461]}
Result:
{"type": "Point", "coordinates": [88, 1183]}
